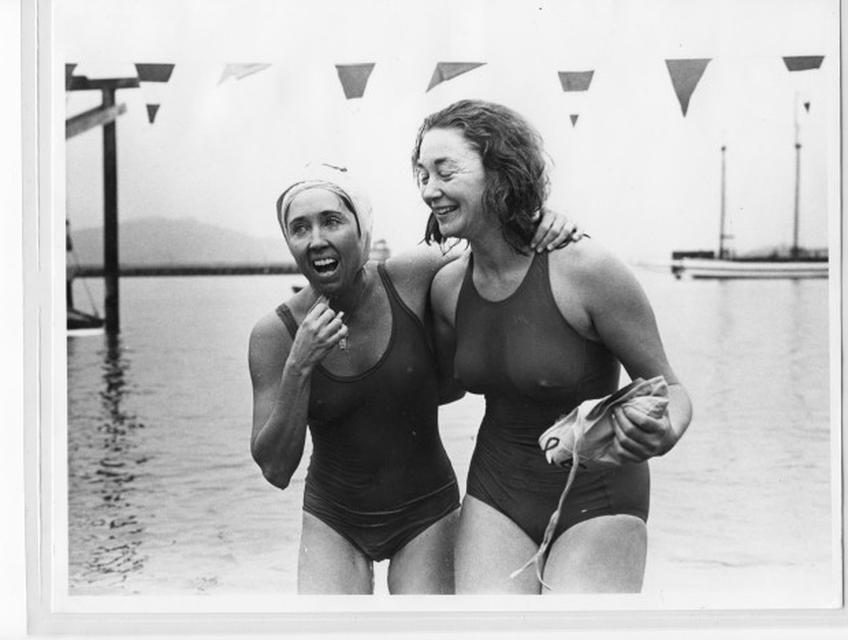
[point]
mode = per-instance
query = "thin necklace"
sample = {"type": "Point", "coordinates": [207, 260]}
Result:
{"type": "Point", "coordinates": [343, 343]}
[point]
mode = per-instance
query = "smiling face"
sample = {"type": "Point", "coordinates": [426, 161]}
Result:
{"type": "Point", "coordinates": [452, 181]}
{"type": "Point", "coordinates": [322, 235]}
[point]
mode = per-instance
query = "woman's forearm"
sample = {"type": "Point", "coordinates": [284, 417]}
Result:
{"type": "Point", "coordinates": [278, 447]}
{"type": "Point", "coordinates": [679, 410]}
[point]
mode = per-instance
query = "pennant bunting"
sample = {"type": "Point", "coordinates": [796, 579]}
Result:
{"type": "Point", "coordinates": [152, 109]}
{"type": "Point", "coordinates": [154, 72]}
{"type": "Point", "coordinates": [685, 74]}
{"type": "Point", "coordinates": [152, 79]}
{"type": "Point", "coordinates": [802, 63]}
{"type": "Point", "coordinates": [575, 80]}
{"type": "Point", "coordinates": [354, 77]}
{"type": "Point", "coordinates": [574, 117]}
{"type": "Point", "coordinates": [239, 71]}
{"type": "Point", "coordinates": [447, 70]}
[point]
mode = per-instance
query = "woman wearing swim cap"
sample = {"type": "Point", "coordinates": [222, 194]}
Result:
{"type": "Point", "coordinates": [537, 334]}
{"type": "Point", "coordinates": [350, 356]}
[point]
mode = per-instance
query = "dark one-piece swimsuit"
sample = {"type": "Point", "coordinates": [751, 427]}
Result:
{"type": "Point", "coordinates": [379, 474]}
{"type": "Point", "coordinates": [533, 367]}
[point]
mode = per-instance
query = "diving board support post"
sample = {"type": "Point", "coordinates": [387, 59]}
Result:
{"type": "Point", "coordinates": [110, 221]}
{"type": "Point", "coordinates": [105, 115]}
{"type": "Point", "coordinates": [92, 118]}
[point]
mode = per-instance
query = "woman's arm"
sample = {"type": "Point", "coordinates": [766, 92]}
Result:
{"type": "Point", "coordinates": [620, 315]}
{"type": "Point", "coordinates": [444, 293]}
{"type": "Point", "coordinates": [281, 373]}
{"type": "Point", "coordinates": [413, 270]}
{"type": "Point", "coordinates": [555, 231]}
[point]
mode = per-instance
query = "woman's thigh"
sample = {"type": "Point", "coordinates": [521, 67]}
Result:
{"type": "Point", "coordinates": [329, 563]}
{"type": "Point", "coordinates": [602, 555]}
{"type": "Point", "coordinates": [489, 548]}
{"type": "Point", "coordinates": [425, 563]}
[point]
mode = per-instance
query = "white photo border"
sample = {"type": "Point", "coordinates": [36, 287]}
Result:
{"type": "Point", "coordinates": [52, 611]}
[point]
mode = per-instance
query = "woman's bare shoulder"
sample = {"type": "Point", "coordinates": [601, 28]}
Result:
{"type": "Point", "coordinates": [271, 331]}
{"type": "Point", "coordinates": [589, 264]}
{"type": "Point", "coordinates": [268, 328]}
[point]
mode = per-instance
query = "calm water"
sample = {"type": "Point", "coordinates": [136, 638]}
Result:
{"type": "Point", "coordinates": [164, 498]}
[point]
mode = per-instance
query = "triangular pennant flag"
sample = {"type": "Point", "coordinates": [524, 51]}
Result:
{"type": "Point", "coordinates": [575, 80]}
{"type": "Point", "coordinates": [354, 77]}
{"type": "Point", "coordinates": [802, 63]}
{"type": "Point", "coordinates": [574, 117]}
{"type": "Point", "coordinates": [154, 72]}
{"type": "Point", "coordinates": [447, 70]}
{"type": "Point", "coordinates": [69, 71]}
{"type": "Point", "coordinates": [239, 71]}
{"type": "Point", "coordinates": [807, 107]}
{"type": "Point", "coordinates": [685, 74]}
{"type": "Point", "coordinates": [152, 109]}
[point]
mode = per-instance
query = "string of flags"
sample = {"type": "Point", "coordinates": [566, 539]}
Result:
{"type": "Point", "coordinates": [239, 71]}
{"type": "Point", "coordinates": [575, 81]}
{"type": "Point", "coordinates": [445, 71]}
{"type": "Point", "coordinates": [151, 79]}
{"type": "Point", "coordinates": [684, 73]}
{"type": "Point", "coordinates": [354, 77]}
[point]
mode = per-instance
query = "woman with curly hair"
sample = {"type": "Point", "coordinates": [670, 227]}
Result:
{"type": "Point", "coordinates": [537, 334]}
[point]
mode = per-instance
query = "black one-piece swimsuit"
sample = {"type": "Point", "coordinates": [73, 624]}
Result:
{"type": "Point", "coordinates": [379, 474]}
{"type": "Point", "coordinates": [533, 368]}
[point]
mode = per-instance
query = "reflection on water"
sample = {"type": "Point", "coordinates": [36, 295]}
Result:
{"type": "Point", "coordinates": [104, 466]}
{"type": "Point", "coordinates": [165, 499]}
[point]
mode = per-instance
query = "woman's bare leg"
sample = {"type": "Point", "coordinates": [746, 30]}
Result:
{"type": "Point", "coordinates": [425, 563]}
{"type": "Point", "coordinates": [489, 548]}
{"type": "Point", "coordinates": [329, 563]}
{"type": "Point", "coordinates": [602, 555]}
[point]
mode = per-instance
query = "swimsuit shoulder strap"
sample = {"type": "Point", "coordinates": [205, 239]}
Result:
{"type": "Point", "coordinates": [397, 302]}
{"type": "Point", "coordinates": [285, 314]}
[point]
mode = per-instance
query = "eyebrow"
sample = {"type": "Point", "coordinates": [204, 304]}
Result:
{"type": "Point", "coordinates": [323, 212]}
{"type": "Point", "coordinates": [439, 162]}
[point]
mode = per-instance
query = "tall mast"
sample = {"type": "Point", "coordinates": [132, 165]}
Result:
{"type": "Point", "coordinates": [721, 234]}
{"type": "Point", "coordinates": [794, 251]}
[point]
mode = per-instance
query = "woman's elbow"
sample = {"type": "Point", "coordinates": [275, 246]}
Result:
{"type": "Point", "coordinates": [276, 477]}
{"type": "Point", "coordinates": [273, 472]}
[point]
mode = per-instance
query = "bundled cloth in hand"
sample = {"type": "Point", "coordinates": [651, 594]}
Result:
{"type": "Point", "coordinates": [585, 438]}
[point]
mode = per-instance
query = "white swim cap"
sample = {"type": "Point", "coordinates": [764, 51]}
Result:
{"type": "Point", "coordinates": [337, 179]}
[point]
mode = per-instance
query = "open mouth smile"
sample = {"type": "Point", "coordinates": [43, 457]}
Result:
{"type": "Point", "coordinates": [325, 266]}
{"type": "Point", "coordinates": [443, 211]}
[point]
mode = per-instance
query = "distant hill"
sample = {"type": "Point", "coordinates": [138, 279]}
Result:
{"type": "Point", "coordinates": [181, 241]}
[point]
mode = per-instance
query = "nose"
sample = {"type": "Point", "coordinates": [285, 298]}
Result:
{"type": "Point", "coordinates": [431, 190]}
{"type": "Point", "coordinates": [316, 238]}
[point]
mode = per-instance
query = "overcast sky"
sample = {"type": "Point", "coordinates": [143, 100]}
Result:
{"type": "Point", "coordinates": [633, 171]}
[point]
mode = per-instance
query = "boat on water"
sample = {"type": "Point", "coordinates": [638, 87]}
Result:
{"type": "Point", "coordinates": [796, 262]}
{"type": "Point", "coordinates": [78, 322]}
{"type": "Point", "coordinates": [706, 265]}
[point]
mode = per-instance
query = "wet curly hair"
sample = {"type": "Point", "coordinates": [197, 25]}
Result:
{"type": "Point", "coordinates": [516, 183]}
